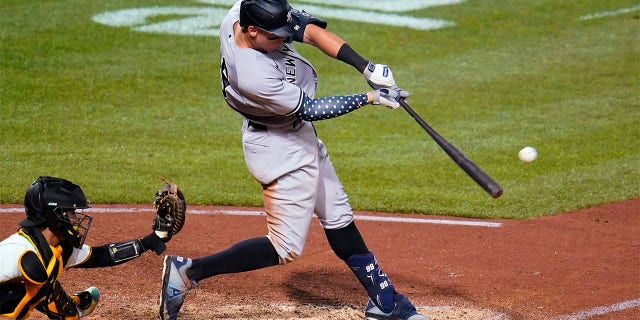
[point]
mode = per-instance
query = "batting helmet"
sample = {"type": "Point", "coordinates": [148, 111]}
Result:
{"type": "Point", "coordinates": [272, 16]}
{"type": "Point", "coordinates": [52, 202]}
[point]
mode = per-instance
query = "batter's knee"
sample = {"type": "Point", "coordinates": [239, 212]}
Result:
{"type": "Point", "coordinates": [289, 257]}
{"type": "Point", "coordinates": [287, 252]}
{"type": "Point", "coordinates": [336, 223]}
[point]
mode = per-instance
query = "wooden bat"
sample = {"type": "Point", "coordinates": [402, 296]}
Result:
{"type": "Point", "coordinates": [479, 176]}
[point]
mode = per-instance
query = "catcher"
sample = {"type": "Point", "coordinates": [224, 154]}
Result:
{"type": "Point", "coordinates": [51, 238]}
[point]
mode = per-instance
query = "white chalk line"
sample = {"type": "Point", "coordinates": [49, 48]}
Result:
{"type": "Point", "coordinates": [598, 311]}
{"type": "Point", "coordinates": [609, 13]}
{"type": "Point", "coordinates": [469, 223]}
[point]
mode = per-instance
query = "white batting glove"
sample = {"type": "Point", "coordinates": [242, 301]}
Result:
{"type": "Point", "coordinates": [379, 76]}
{"type": "Point", "coordinates": [389, 97]}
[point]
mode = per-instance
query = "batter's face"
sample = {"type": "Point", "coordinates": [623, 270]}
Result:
{"type": "Point", "coordinates": [265, 41]}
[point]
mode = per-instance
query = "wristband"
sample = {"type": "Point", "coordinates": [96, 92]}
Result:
{"type": "Point", "coordinates": [348, 55]}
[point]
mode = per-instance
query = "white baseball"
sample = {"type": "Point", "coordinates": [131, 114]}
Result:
{"type": "Point", "coordinates": [528, 154]}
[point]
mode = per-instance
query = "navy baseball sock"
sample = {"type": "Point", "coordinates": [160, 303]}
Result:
{"type": "Point", "coordinates": [349, 246]}
{"type": "Point", "coordinates": [246, 255]}
{"type": "Point", "coordinates": [346, 241]}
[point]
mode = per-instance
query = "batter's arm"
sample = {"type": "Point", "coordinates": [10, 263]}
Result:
{"type": "Point", "coordinates": [335, 106]}
{"type": "Point", "coordinates": [331, 107]}
{"type": "Point", "coordinates": [377, 75]}
{"type": "Point", "coordinates": [335, 47]}
{"type": "Point", "coordinates": [328, 42]}
{"type": "Point", "coordinates": [311, 30]}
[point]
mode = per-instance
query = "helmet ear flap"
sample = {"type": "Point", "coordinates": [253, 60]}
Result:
{"type": "Point", "coordinates": [35, 204]}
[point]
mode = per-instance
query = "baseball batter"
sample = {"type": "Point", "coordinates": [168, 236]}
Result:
{"type": "Point", "coordinates": [51, 239]}
{"type": "Point", "coordinates": [273, 87]}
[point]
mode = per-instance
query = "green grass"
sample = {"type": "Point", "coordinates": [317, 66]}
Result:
{"type": "Point", "coordinates": [112, 109]}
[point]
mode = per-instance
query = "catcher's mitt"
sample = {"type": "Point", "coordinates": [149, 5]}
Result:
{"type": "Point", "coordinates": [171, 210]}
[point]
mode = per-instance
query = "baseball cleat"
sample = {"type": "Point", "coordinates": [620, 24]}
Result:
{"type": "Point", "coordinates": [404, 310]}
{"type": "Point", "coordinates": [175, 286]}
{"type": "Point", "coordinates": [86, 301]}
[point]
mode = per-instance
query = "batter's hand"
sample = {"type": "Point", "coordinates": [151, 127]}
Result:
{"type": "Point", "coordinates": [379, 76]}
{"type": "Point", "coordinates": [389, 97]}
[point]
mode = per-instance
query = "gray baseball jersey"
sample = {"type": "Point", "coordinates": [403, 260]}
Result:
{"type": "Point", "coordinates": [281, 150]}
{"type": "Point", "coordinates": [267, 88]}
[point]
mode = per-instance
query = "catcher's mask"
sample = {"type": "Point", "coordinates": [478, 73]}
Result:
{"type": "Point", "coordinates": [57, 203]}
{"type": "Point", "coordinates": [272, 16]}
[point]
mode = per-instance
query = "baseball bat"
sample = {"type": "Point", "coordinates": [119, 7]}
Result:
{"type": "Point", "coordinates": [479, 176]}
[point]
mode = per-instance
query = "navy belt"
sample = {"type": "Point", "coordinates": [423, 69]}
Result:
{"type": "Point", "coordinates": [262, 127]}
{"type": "Point", "coordinates": [257, 126]}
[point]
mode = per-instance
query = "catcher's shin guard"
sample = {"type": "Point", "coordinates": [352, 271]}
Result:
{"type": "Point", "coordinates": [376, 282]}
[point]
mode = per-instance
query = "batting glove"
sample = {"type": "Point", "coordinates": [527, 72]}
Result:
{"type": "Point", "coordinates": [379, 76]}
{"type": "Point", "coordinates": [389, 97]}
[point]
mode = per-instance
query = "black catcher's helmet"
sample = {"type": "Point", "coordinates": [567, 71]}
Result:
{"type": "Point", "coordinates": [52, 202]}
{"type": "Point", "coordinates": [272, 16]}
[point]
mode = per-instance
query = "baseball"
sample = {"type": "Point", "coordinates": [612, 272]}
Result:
{"type": "Point", "coordinates": [528, 154]}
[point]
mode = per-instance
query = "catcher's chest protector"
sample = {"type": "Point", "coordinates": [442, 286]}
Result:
{"type": "Point", "coordinates": [39, 271]}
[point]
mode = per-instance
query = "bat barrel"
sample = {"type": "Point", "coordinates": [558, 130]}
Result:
{"type": "Point", "coordinates": [472, 170]}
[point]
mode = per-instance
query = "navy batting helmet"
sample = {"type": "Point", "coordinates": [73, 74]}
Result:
{"type": "Point", "coordinates": [272, 16]}
{"type": "Point", "coordinates": [52, 202]}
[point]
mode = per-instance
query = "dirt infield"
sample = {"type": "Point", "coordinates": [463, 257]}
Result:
{"type": "Point", "coordinates": [577, 265]}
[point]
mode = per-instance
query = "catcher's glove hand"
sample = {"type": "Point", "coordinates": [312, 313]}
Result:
{"type": "Point", "coordinates": [171, 210]}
